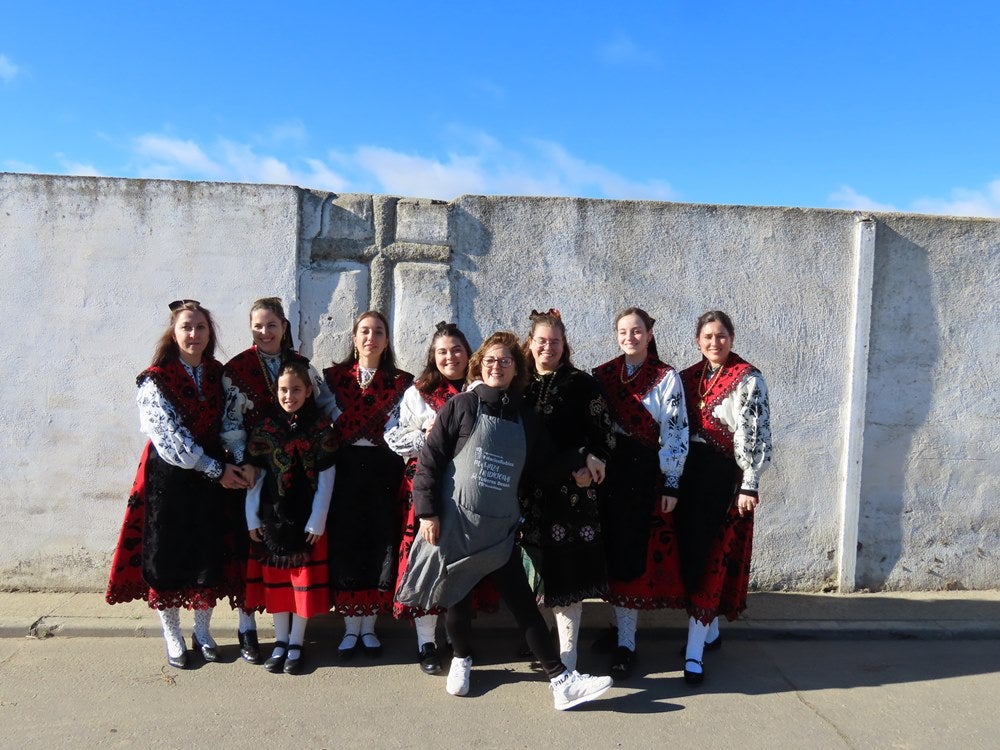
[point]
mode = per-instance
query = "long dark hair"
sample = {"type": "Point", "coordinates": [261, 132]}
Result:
{"type": "Point", "coordinates": [648, 320]}
{"type": "Point", "coordinates": [551, 318]}
{"type": "Point", "coordinates": [387, 361]}
{"type": "Point", "coordinates": [509, 341]}
{"type": "Point", "coordinates": [273, 304]}
{"type": "Point", "coordinates": [166, 349]}
{"type": "Point", "coordinates": [431, 377]}
{"type": "Point", "coordinates": [715, 316]}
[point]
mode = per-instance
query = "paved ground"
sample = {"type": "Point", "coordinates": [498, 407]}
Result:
{"type": "Point", "coordinates": [801, 671]}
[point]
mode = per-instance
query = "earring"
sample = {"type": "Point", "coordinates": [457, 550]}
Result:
{"type": "Point", "coordinates": [356, 354]}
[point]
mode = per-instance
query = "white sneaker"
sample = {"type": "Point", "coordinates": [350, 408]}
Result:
{"type": "Point", "coordinates": [458, 676]}
{"type": "Point", "coordinates": [574, 688]}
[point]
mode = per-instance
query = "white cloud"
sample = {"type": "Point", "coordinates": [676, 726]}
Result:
{"type": "Point", "coordinates": [621, 50]}
{"type": "Point", "coordinates": [77, 169]}
{"type": "Point", "coordinates": [477, 164]}
{"type": "Point", "coordinates": [175, 157]}
{"type": "Point", "coordinates": [961, 202]}
{"type": "Point", "coordinates": [14, 165]}
{"type": "Point", "coordinates": [847, 197]}
{"type": "Point", "coordinates": [8, 70]}
{"type": "Point", "coordinates": [964, 202]}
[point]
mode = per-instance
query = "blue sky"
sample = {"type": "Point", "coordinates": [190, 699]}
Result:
{"type": "Point", "coordinates": [871, 105]}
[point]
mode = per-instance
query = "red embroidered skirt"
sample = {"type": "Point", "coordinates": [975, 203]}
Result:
{"type": "Point", "coordinates": [303, 590]}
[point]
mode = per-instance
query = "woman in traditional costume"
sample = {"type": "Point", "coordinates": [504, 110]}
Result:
{"type": "Point", "coordinates": [730, 429]}
{"type": "Point", "coordinates": [640, 493]}
{"type": "Point", "coordinates": [365, 513]}
{"type": "Point", "coordinates": [561, 535]}
{"type": "Point", "coordinates": [465, 494]}
{"type": "Point", "coordinates": [176, 547]}
{"type": "Point", "coordinates": [286, 513]}
{"type": "Point", "coordinates": [250, 380]}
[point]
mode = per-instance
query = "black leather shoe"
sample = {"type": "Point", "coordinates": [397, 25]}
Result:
{"type": "Point", "coordinates": [693, 678]}
{"type": "Point", "coordinates": [371, 651]}
{"type": "Point", "coordinates": [621, 663]}
{"type": "Point", "coordinates": [430, 663]}
{"type": "Point", "coordinates": [208, 653]}
{"type": "Point", "coordinates": [294, 666]}
{"type": "Point", "coordinates": [348, 647]}
{"type": "Point", "coordinates": [606, 642]}
{"type": "Point", "coordinates": [250, 647]}
{"type": "Point", "coordinates": [275, 663]}
{"type": "Point", "coordinates": [180, 662]}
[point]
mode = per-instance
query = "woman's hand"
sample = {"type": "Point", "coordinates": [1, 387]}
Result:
{"type": "Point", "coordinates": [667, 503]}
{"type": "Point", "coordinates": [598, 469]}
{"type": "Point", "coordinates": [233, 479]}
{"type": "Point", "coordinates": [312, 538]}
{"type": "Point", "coordinates": [430, 529]}
{"type": "Point", "coordinates": [582, 477]}
{"type": "Point", "coordinates": [250, 474]}
{"type": "Point", "coordinates": [746, 504]}
{"type": "Point", "coordinates": [255, 535]}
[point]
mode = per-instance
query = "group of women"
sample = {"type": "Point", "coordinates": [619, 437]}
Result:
{"type": "Point", "coordinates": [505, 473]}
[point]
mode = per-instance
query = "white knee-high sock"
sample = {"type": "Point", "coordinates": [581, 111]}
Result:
{"type": "Point", "coordinates": [296, 636]}
{"type": "Point", "coordinates": [713, 631]}
{"type": "Point", "coordinates": [568, 626]}
{"type": "Point", "coordinates": [368, 631]}
{"type": "Point", "coordinates": [282, 625]}
{"type": "Point", "coordinates": [247, 621]}
{"type": "Point", "coordinates": [426, 629]}
{"type": "Point", "coordinates": [628, 620]}
{"type": "Point", "coordinates": [695, 645]}
{"type": "Point", "coordinates": [202, 623]}
{"type": "Point", "coordinates": [170, 620]}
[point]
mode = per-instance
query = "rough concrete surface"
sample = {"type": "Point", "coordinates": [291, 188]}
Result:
{"type": "Point", "coordinates": [96, 260]}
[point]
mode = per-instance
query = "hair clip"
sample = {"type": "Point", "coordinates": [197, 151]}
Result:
{"type": "Point", "coordinates": [553, 312]}
{"type": "Point", "coordinates": [177, 304]}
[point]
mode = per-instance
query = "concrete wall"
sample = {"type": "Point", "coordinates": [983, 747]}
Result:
{"type": "Point", "coordinates": [882, 436]}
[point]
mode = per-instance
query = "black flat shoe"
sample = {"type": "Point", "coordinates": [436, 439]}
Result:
{"type": "Point", "coordinates": [622, 663]}
{"type": "Point", "coordinates": [294, 666]}
{"type": "Point", "coordinates": [428, 658]}
{"type": "Point", "coordinates": [606, 642]}
{"type": "Point", "coordinates": [370, 651]}
{"type": "Point", "coordinates": [348, 648]}
{"type": "Point", "coordinates": [180, 662]}
{"type": "Point", "coordinates": [693, 678]}
{"type": "Point", "coordinates": [249, 647]}
{"type": "Point", "coordinates": [275, 663]}
{"type": "Point", "coordinates": [208, 653]}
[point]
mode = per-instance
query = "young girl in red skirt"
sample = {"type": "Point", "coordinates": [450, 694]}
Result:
{"type": "Point", "coordinates": [286, 514]}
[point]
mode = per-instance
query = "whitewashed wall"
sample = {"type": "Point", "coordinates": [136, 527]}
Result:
{"type": "Point", "coordinates": [92, 262]}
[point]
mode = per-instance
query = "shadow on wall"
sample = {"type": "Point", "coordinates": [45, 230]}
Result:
{"type": "Point", "coordinates": [904, 345]}
{"type": "Point", "coordinates": [471, 241]}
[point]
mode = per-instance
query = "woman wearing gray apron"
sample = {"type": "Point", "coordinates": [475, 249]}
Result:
{"type": "Point", "coordinates": [465, 495]}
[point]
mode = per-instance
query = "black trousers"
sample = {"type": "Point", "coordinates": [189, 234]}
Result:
{"type": "Point", "coordinates": [512, 583]}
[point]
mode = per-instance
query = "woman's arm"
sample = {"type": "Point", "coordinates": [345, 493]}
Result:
{"type": "Point", "coordinates": [316, 524]}
{"type": "Point", "coordinates": [434, 458]}
{"type": "Point", "coordinates": [672, 418]}
{"type": "Point", "coordinates": [404, 433]}
{"type": "Point", "coordinates": [159, 421]}
{"type": "Point", "coordinates": [752, 436]}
